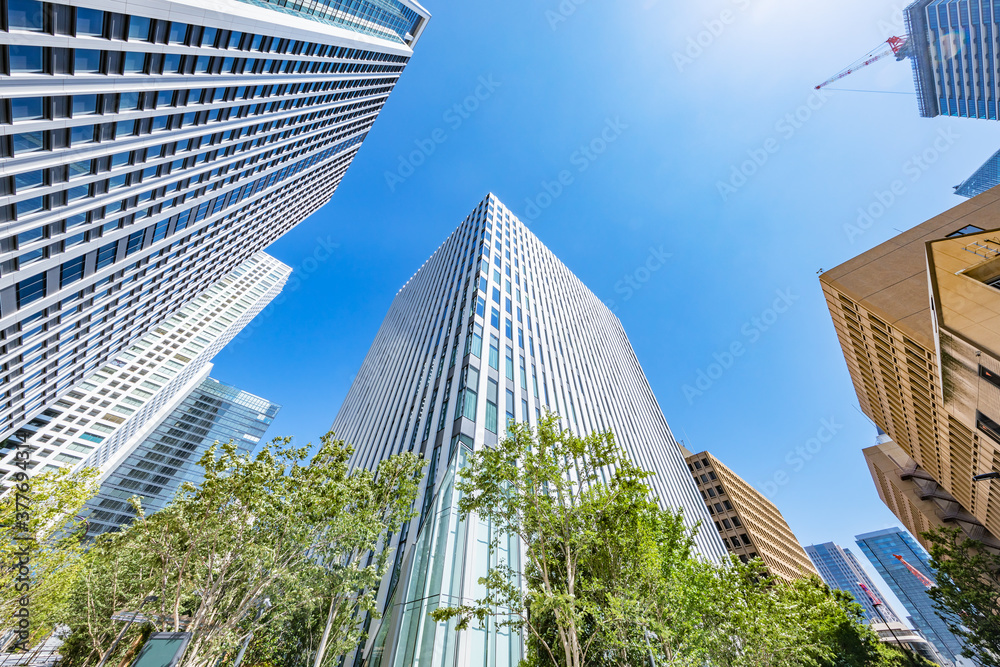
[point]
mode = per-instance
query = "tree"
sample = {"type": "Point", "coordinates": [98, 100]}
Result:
{"type": "Point", "coordinates": [263, 541]}
{"type": "Point", "coordinates": [967, 594]}
{"type": "Point", "coordinates": [53, 551]}
{"type": "Point", "coordinates": [548, 488]}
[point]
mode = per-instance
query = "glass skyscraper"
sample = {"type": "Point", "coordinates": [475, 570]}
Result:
{"type": "Point", "coordinates": [213, 412]}
{"type": "Point", "coordinates": [492, 328]}
{"type": "Point", "coordinates": [147, 150]}
{"type": "Point", "coordinates": [952, 46]}
{"type": "Point", "coordinates": [984, 178]}
{"type": "Point", "coordinates": [840, 569]}
{"type": "Point", "coordinates": [881, 547]}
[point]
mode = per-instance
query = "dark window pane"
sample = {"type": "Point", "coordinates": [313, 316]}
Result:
{"type": "Point", "coordinates": [88, 61]}
{"type": "Point", "coordinates": [25, 15]}
{"type": "Point", "coordinates": [84, 104]}
{"type": "Point", "coordinates": [89, 21]}
{"type": "Point", "coordinates": [29, 179]}
{"type": "Point", "coordinates": [135, 62]}
{"type": "Point", "coordinates": [30, 290]}
{"type": "Point", "coordinates": [138, 29]}
{"type": "Point", "coordinates": [28, 206]}
{"type": "Point", "coordinates": [25, 59]}
{"type": "Point", "coordinates": [29, 236]}
{"type": "Point", "coordinates": [177, 33]}
{"type": "Point", "coordinates": [26, 108]}
{"type": "Point", "coordinates": [71, 271]}
{"type": "Point", "coordinates": [81, 135]}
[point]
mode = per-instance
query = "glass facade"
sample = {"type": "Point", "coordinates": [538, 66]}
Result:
{"type": "Point", "coordinates": [383, 18]}
{"type": "Point", "coordinates": [213, 412]}
{"type": "Point", "coordinates": [953, 51]}
{"type": "Point", "coordinates": [881, 548]}
{"type": "Point", "coordinates": [985, 178]}
{"type": "Point", "coordinates": [839, 568]}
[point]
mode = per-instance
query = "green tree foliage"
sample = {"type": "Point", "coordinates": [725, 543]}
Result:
{"type": "Point", "coordinates": [278, 540]}
{"type": "Point", "coordinates": [612, 579]}
{"type": "Point", "coordinates": [54, 499]}
{"type": "Point", "coordinates": [967, 594]}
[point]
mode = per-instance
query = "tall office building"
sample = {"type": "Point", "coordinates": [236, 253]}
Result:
{"type": "Point", "coordinates": [984, 178]}
{"type": "Point", "coordinates": [882, 548]}
{"type": "Point", "coordinates": [102, 419]}
{"type": "Point", "coordinates": [147, 150]}
{"type": "Point", "coordinates": [492, 328]}
{"type": "Point", "coordinates": [951, 46]}
{"type": "Point", "coordinates": [916, 319]}
{"type": "Point", "coordinates": [168, 457]}
{"type": "Point", "coordinates": [840, 569]}
{"type": "Point", "coordinates": [748, 523]}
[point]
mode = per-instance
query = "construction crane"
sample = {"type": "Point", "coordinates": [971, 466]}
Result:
{"type": "Point", "coordinates": [915, 572]}
{"type": "Point", "coordinates": [894, 46]}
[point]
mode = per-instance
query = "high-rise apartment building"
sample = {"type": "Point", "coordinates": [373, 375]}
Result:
{"type": "Point", "coordinates": [985, 178]}
{"type": "Point", "coordinates": [951, 46]}
{"type": "Point", "coordinates": [748, 523]}
{"type": "Point", "coordinates": [147, 150]}
{"type": "Point", "coordinates": [493, 328]}
{"type": "Point", "coordinates": [102, 419]}
{"type": "Point", "coordinates": [840, 569]}
{"type": "Point", "coordinates": [884, 549]}
{"type": "Point", "coordinates": [916, 321]}
{"type": "Point", "coordinates": [168, 457]}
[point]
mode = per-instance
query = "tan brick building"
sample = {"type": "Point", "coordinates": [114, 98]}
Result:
{"type": "Point", "coordinates": [749, 524]}
{"type": "Point", "coordinates": [918, 319]}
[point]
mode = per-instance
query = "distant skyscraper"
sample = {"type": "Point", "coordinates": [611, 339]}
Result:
{"type": "Point", "coordinates": [954, 60]}
{"type": "Point", "coordinates": [881, 547]}
{"type": "Point", "coordinates": [748, 523]}
{"type": "Point", "coordinates": [840, 569]}
{"type": "Point", "coordinates": [102, 419]}
{"type": "Point", "coordinates": [985, 178]}
{"type": "Point", "coordinates": [147, 150]}
{"type": "Point", "coordinates": [168, 457]}
{"type": "Point", "coordinates": [492, 328]}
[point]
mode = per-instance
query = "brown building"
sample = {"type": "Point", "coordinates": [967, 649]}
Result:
{"type": "Point", "coordinates": [918, 319]}
{"type": "Point", "coordinates": [749, 524]}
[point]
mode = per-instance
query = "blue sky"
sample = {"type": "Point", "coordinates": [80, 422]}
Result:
{"type": "Point", "coordinates": [689, 92]}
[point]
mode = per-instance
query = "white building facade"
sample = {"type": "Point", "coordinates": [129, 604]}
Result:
{"type": "Point", "coordinates": [148, 148]}
{"type": "Point", "coordinates": [100, 421]}
{"type": "Point", "coordinates": [492, 328]}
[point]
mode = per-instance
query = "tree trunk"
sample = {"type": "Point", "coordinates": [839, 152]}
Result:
{"type": "Point", "coordinates": [321, 649]}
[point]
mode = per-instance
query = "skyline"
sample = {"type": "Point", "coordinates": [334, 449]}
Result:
{"type": "Point", "coordinates": [651, 193]}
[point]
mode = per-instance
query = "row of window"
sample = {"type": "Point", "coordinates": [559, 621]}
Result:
{"type": "Point", "coordinates": [35, 16]}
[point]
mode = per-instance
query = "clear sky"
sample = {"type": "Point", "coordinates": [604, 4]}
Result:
{"type": "Point", "coordinates": [689, 92]}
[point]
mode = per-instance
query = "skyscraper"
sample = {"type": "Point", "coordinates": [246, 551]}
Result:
{"type": "Point", "coordinates": [492, 328]}
{"type": "Point", "coordinates": [101, 420]}
{"type": "Point", "coordinates": [882, 548]}
{"type": "Point", "coordinates": [951, 45]}
{"type": "Point", "coordinates": [984, 178]}
{"type": "Point", "coordinates": [144, 155]}
{"type": "Point", "coordinates": [915, 319]}
{"type": "Point", "coordinates": [840, 569]}
{"type": "Point", "coordinates": [168, 457]}
{"type": "Point", "coordinates": [748, 523]}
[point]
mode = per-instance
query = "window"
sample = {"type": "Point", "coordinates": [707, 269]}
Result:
{"type": "Point", "coordinates": [494, 352]}
{"type": "Point", "coordinates": [71, 271]}
{"type": "Point", "coordinates": [28, 142]}
{"type": "Point", "coordinates": [746, 540]}
{"type": "Point", "coordinates": [25, 59]}
{"type": "Point", "coordinates": [481, 306]}
{"type": "Point", "coordinates": [25, 15]}
{"type": "Point", "coordinates": [737, 522]}
{"type": "Point", "coordinates": [138, 29]}
{"type": "Point", "coordinates": [29, 179]}
{"type": "Point", "coordinates": [491, 406]}
{"type": "Point", "coordinates": [26, 108]}
{"type": "Point", "coordinates": [88, 61]}
{"type": "Point", "coordinates": [30, 289]}
{"type": "Point", "coordinates": [510, 363]}
{"type": "Point", "coordinates": [524, 375]}
{"type": "Point", "coordinates": [965, 231]}
{"type": "Point", "coordinates": [524, 411]}
{"type": "Point", "coordinates": [725, 522]}
{"type": "Point", "coordinates": [106, 255]}
{"type": "Point", "coordinates": [89, 22]}
{"type": "Point", "coordinates": [495, 319]}
{"type": "Point", "coordinates": [987, 426]}
{"type": "Point", "coordinates": [134, 242]}
{"type": "Point", "coordinates": [729, 505]}
{"type": "Point", "coordinates": [476, 341]}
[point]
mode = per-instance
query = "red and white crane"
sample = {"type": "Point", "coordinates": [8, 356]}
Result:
{"type": "Point", "coordinates": [915, 572]}
{"type": "Point", "coordinates": [894, 46]}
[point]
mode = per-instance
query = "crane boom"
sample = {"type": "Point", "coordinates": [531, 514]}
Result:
{"type": "Point", "coordinates": [894, 46]}
{"type": "Point", "coordinates": [915, 572]}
